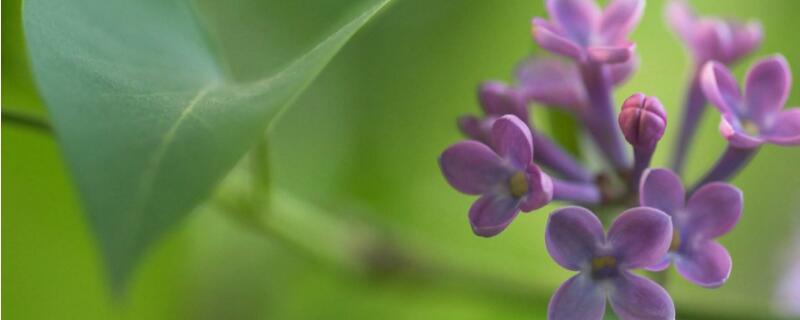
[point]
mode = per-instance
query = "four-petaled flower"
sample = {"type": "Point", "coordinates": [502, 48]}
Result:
{"type": "Point", "coordinates": [710, 212]}
{"type": "Point", "coordinates": [638, 238]}
{"type": "Point", "coordinates": [581, 31]}
{"type": "Point", "coordinates": [506, 179]}
{"type": "Point", "coordinates": [710, 38]}
{"type": "Point", "coordinates": [754, 118]}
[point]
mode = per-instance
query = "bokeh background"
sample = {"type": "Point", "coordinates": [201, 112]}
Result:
{"type": "Point", "coordinates": [360, 146]}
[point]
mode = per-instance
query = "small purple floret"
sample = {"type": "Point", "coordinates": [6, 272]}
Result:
{"type": "Point", "coordinates": [505, 177]}
{"type": "Point", "coordinates": [637, 238]}
{"type": "Point", "coordinates": [711, 211]}
{"type": "Point", "coordinates": [578, 29]}
{"type": "Point", "coordinates": [712, 38]}
{"type": "Point", "coordinates": [755, 117]}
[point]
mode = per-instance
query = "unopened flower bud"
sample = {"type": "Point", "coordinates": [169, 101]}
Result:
{"type": "Point", "coordinates": [642, 120]}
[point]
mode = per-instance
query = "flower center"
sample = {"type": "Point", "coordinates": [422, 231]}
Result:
{"type": "Point", "coordinates": [518, 184]}
{"type": "Point", "coordinates": [676, 241]}
{"type": "Point", "coordinates": [750, 127]}
{"type": "Point", "coordinates": [604, 267]}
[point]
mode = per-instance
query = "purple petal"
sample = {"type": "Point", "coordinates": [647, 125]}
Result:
{"type": "Point", "coordinates": [621, 72]}
{"type": "Point", "coordinates": [710, 38]}
{"type": "Point", "coordinates": [619, 18]}
{"type": "Point", "coordinates": [576, 18]}
{"type": "Point", "coordinates": [472, 167]}
{"type": "Point", "coordinates": [746, 39]}
{"type": "Point", "coordinates": [640, 237]}
{"type": "Point", "coordinates": [572, 236]}
{"type": "Point", "coordinates": [708, 265]}
{"type": "Point", "coordinates": [611, 55]}
{"type": "Point", "coordinates": [767, 88]}
{"type": "Point", "coordinates": [512, 140]}
{"type": "Point", "coordinates": [662, 189]}
{"type": "Point", "coordinates": [721, 88]}
{"type": "Point", "coordinates": [499, 99]}
{"type": "Point", "coordinates": [552, 82]}
{"type": "Point", "coordinates": [713, 210]}
{"type": "Point", "coordinates": [577, 299]}
{"type": "Point", "coordinates": [715, 39]}
{"type": "Point", "coordinates": [492, 213]}
{"type": "Point", "coordinates": [736, 136]}
{"type": "Point", "coordinates": [786, 128]}
{"type": "Point", "coordinates": [540, 189]}
{"type": "Point", "coordinates": [474, 128]}
{"type": "Point", "coordinates": [661, 265]}
{"type": "Point", "coordinates": [635, 298]}
{"type": "Point", "coordinates": [551, 40]}
{"type": "Point", "coordinates": [682, 20]}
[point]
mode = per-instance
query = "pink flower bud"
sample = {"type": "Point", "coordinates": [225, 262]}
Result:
{"type": "Point", "coordinates": [642, 120]}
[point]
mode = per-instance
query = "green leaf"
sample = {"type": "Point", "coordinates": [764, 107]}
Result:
{"type": "Point", "coordinates": [146, 114]}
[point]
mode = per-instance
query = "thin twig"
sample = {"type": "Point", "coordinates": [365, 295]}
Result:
{"type": "Point", "coordinates": [25, 120]}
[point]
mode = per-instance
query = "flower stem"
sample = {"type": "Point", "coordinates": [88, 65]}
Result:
{"type": "Point", "coordinates": [694, 106]}
{"type": "Point", "coordinates": [583, 193]}
{"type": "Point", "coordinates": [599, 117]}
{"type": "Point", "coordinates": [728, 165]}
{"type": "Point", "coordinates": [641, 161]}
{"type": "Point", "coordinates": [551, 155]}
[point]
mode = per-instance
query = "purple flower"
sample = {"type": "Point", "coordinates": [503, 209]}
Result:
{"type": "Point", "coordinates": [754, 118]}
{"type": "Point", "coordinates": [711, 212]}
{"type": "Point", "coordinates": [506, 179]}
{"type": "Point", "coordinates": [581, 31]}
{"type": "Point", "coordinates": [637, 238]}
{"type": "Point", "coordinates": [710, 38]}
{"type": "Point", "coordinates": [558, 82]}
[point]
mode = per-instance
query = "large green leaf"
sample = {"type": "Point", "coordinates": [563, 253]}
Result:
{"type": "Point", "coordinates": [147, 116]}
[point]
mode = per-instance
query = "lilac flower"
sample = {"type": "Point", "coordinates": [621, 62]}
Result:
{"type": "Point", "coordinates": [506, 179]}
{"type": "Point", "coordinates": [638, 238]}
{"type": "Point", "coordinates": [711, 38]}
{"type": "Point", "coordinates": [754, 118]}
{"type": "Point", "coordinates": [708, 39]}
{"type": "Point", "coordinates": [581, 31]}
{"type": "Point", "coordinates": [497, 100]}
{"type": "Point", "coordinates": [557, 82]}
{"type": "Point", "coordinates": [710, 212]}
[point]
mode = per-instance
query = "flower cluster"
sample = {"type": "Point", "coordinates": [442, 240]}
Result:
{"type": "Point", "coordinates": [513, 167]}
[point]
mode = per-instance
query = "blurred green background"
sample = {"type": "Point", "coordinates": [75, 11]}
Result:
{"type": "Point", "coordinates": [361, 145]}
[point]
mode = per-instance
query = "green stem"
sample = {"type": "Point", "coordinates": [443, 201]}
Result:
{"type": "Point", "coordinates": [25, 120]}
{"type": "Point", "coordinates": [260, 165]}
